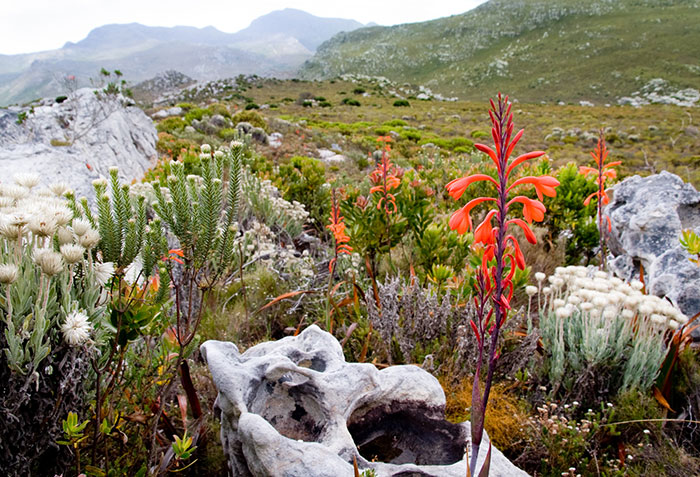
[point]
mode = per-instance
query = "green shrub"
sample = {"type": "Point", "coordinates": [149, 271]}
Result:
{"type": "Point", "coordinates": [60, 99]}
{"type": "Point", "coordinates": [350, 102]}
{"type": "Point", "coordinates": [301, 180]}
{"type": "Point", "coordinates": [411, 135]}
{"type": "Point", "coordinates": [186, 106]}
{"type": "Point", "coordinates": [218, 108]}
{"type": "Point", "coordinates": [358, 90]}
{"type": "Point", "coordinates": [402, 103]}
{"type": "Point", "coordinates": [396, 123]}
{"type": "Point", "coordinates": [195, 113]}
{"type": "Point", "coordinates": [325, 104]}
{"type": "Point", "coordinates": [250, 106]}
{"type": "Point", "coordinates": [170, 125]}
{"type": "Point", "coordinates": [251, 117]}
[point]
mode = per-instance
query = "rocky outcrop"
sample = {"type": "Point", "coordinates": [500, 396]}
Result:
{"type": "Point", "coordinates": [648, 215]}
{"type": "Point", "coordinates": [295, 407]}
{"type": "Point", "coordinates": [77, 140]}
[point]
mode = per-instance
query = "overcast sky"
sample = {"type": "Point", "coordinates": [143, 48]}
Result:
{"type": "Point", "coordinates": [37, 25]}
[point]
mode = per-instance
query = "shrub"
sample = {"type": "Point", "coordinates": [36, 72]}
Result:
{"type": "Point", "coordinates": [250, 106]}
{"type": "Point", "coordinates": [251, 117]}
{"type": "Point", "coordinates": [195, 113]}
{"type": "Point", "coordinates": [171, 125]}
{"type": "Point", "coordinates": [402, 103]}
{"type": "Point", "coordinates": [325, 104]}
{"type": "Point", "coordinates": [219, 108]}
{"type": "Point", "coordinates": [358, 90]}
{"type": "Point", "coordinates": [350, 102]}
{"type": "Point", "coordinates": [302, 180]}
{"type": "Point", "coordinates": [60, 99]}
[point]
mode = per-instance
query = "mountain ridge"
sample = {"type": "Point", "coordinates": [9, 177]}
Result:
{"type": "Point", "coordinates": [531, 48]}
{"type": "Point", "coordinates": [274, 44]}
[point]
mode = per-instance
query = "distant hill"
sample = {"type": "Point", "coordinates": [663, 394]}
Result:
{"type": "Point", "coordinates": [275, 44]}
{"type": "Point", "coordinates": [536, 50]}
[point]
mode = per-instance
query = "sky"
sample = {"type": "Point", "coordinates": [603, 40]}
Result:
{"type": "Point", "coordinates": [37, 25]}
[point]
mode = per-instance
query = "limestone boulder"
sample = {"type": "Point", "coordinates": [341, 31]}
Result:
{"type": "Point", "coordinates": [648, 215]}
{"type": "Point", "coordinates": [296, 407]}
{"type": "Point", "coordinates": [77, 140]}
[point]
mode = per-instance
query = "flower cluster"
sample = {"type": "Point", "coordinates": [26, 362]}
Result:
{"type": "Point", "coordinates": [337, 228]}
{"type": "Point", "coordinates": [579, 289]}
{"type": "Point", "coordinates": [385, 178]}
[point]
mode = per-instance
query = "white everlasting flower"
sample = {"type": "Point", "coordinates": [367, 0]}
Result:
{"type": "Point", "coordinates": [206, 148]}
{"type": "Point", "coordinates": [59, 188]}
{"type": "Point", "coordinates": [236, 144]}
{"type": "Point", "coordinates": [563, 312]}
{"type": "Point", "coordinates": [546, 290]}
{"type": "Point", "coordinates": [600, 301]}
{"type": "Point", "coordinates": [8, 273]}
{"type": "Point", "coordinates": [600, 274]}
{"type": "Point", "coordinates": [16, 192]}
{"type": "Point", "coordinates": [101, 182]}
{"type": "Point", "coordinates": [72, 253]}
{"type": "Point", "coordinates": [80, 226]}
{"type": "Point", "coordinates": [645, 308]}
{"type": "Point", "coordinates": [89, 239]}
{"type": "Point", "coordinates": [627, 314]}
{"type": "Point", "coordinates": [65, 236]}
{"type": "Point", "coordinates": [61, 215]}
{"type": "Point", "coordinates": [673, 324]}
{"type": "Point", "coordinates": [219, 154]}
{"type": "Point", "coordinates": [561, 271]}
{"type": "Point", "coordinates": [615, 281]}
{"type": "Point", "coordinates": [558, 303]}
{"type": "Point", "coordinates": [76, 329]}
{"type": "Point", "coordinates": [103, 272]}
{"type": "Point", "coordinates": [18, 220]}
{"type": "Point", "coordinates": [539, 276]}
{"type": "Point", "coordinates": [636, 285]}
{"type": "Point", "coordinates": [530, 290]}
{"type": "Point", "coordinates": [43, 226]}
{"type": "Point", "coordinates": [574, 300]}
{"type": "Point", "coordinates": [681, 318]}
{"type": "Point", "coordinates": [609, 313]}
{"type": "Point", "coordinates": [586, 306]}
{"type": "Point", "coordinates": [27, 179]}
{"type": "Point", "coordinates": [11, 232]}
{"type": "Point", "coordinates": [50, 262]}
{"type": "Point", "coordinates": [659, 319]}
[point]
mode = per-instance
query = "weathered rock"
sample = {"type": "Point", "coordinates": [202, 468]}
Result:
{"type": "Point", "coordinates": [328, 156]}
{"type": "Point", "coordinates": [77, 141]}
{"type": "Point", "coordinates": [294, 407]}
{"type": "Point", "coordinates": [275, 139]}
{"type": "Point", "coordinates": [259, 135]}
{"type": "Point", "coordinates": [164, 113]}
{"type": "Point", "coordinates": [218, 121]}
{"type": "Point", "coordinates": [648, 215]}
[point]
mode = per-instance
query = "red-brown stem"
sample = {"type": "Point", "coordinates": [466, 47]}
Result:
{"type": "Point", "coordinates": [601, 145]}
{"type": "Point", "coordinates": [500, 312]}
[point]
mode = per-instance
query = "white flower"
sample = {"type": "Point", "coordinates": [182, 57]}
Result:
{"type": "Point", "coordinates": [636, 285]}
{"type": "Point", "coordinates": [558, 303]}
{"type": "Point", "coordinates": [609, 313]}
{"type": "Point", "coordinates": [206, 148]}
{"type": "Point", "coordinates": [89, 239]}
{"type": "Point", "coordinates": [586, 306]}
{"type": "Point", "coordinates": [574, 300]}
{"type": "Point", "coordinates": [43, 226]}
{"type": "Point", "coordinates": [530, 290]}
{"type": "Point", "coordinates": [59, 188]}
{"type": "Point", "coordinates": [80, 226]}
{"type": "Point", "coordinates": [219, 154]}
{"type": "Point", "coordinates": [72, 253]}
{"type": "Point", "coordinates": [600, 274]}
{"type": "Point", "coordinates": [627, 314]}
{"type": "Point", "coordinates": [673, 324]}
{"type": "Point", "coordinates": [659, 319]}
{"type": "Point", "coordinates": [563, 312]}
{"type": "Point", "coordinates": [50, 262]}
{"type": "Point", "coordinates": [76, 329]}
{"type": "Point", "coordinates": [8, 273]}
{"type": "Point", "coordinates": [546, 290]}
{"type": "Point", "coordinates": [27, 180]}
{"type": "Point", "coordinates": [539, 276]}
{"type": "Point", "coordinates": [103, 272]}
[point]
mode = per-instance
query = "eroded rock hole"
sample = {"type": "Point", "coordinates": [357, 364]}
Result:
{"type": "Point", "coordinates": [401, 433]}
{"type": "Point", "coordinates": [293, 411]}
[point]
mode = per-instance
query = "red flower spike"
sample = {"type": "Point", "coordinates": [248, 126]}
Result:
{"type": "Point", "coordinates": [337, 228]}
{"type": "Point", "coordinates": [603, 172]}
{"type": "Point", "coordinates": [494, 283]}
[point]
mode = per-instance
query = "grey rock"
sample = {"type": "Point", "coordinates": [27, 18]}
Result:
{"type": "Point", "coordinates": [244, 127]}
{"type": "Point", "coordinates": [218, 121]}
{"type": "Point", "coordinates": [294, 407]}
{"type": "Point", "coordinates": [275, 139]}
{"type": "Point", "coordinates": [259, 135]}
{"type": "Point", "coordinates": [165, 113]}
{"type": "Point", "coordinates": [77, 141]}
{"type": "Point", "coordinates": [648, 215]}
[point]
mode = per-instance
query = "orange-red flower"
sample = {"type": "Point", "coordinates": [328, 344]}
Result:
{"type": "Point", "coordinates": [337, 228]}
{"type": "Point", "coordinates": [603, 171]}
{"type": "Point", "coordinates": [385, 177]}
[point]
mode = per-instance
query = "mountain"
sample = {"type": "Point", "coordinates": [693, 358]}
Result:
{"type": "Point", "coordinates": [275, 44]}
{"type": "Point", "coordinates": [536, 50]}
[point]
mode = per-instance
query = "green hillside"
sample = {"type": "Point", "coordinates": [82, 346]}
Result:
{"type": "Point", "coordinates": [537, 50]}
